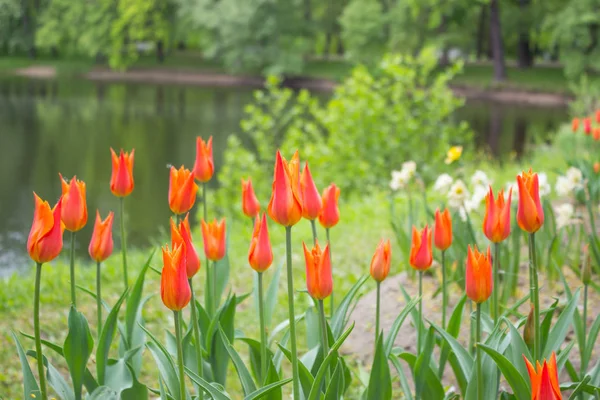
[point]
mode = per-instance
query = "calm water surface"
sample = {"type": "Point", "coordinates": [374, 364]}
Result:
{"type": "Point", "coordinates": [47, 127]}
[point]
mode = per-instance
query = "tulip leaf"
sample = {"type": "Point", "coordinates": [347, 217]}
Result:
{"type": "Point", "coordinates": [93, 295]}
{"type": "Point", "coordinates": [547, 321]}
{"type": "Point", "coordinates": [265, 390]}
{"type": "Point", "coordinates": [414, 313]}
{"type": "Point", "coordinates": [433, 388]}
{"type": "Point", "coordinates": [219, 357]}
{"type": "Point", "coordinates": [340, 317]}
{"type": "Point", "coordinates": [306, 378]}
{"type": "Point", "coordinates": [558, 333]}
{"type": "Point", "coordinates": [335, 389]}
{"type": "Point", "coordinates": [255, 361]}
{"type": "Point", "coordinates": [403, 381]}
{"type": "Point", "coordinates": [464, 359]}
{"type": "Point", "coordinates": [30, 385]}
{"type": "Point", "coordinates": [164, 362]}
{"type": "Point", "coordinates": [215, 393]}
{"type": "Point", "coordinates": [271, 295]}
{"type": "Point", "coordinates": [77, 348]}
{"type": "Point", "coordinates": [510, 372]}
{"type": "Point", "coordinates": [137, 391]}
{"type": "Point", "coordinates": [517, 349]}
{"type": "Point", "coordinates": [393, 333]}
{"type": "Point", "coordinates": [453, 328]}
{"type": "Point", "coordinates": [380, 382]}
{"type": "Point", "coordinates": [283, 326]}
{"type": "Point", "coordinates": [106, 338]}
{"type": "Point", "coordinates": [422, 362]}
{"type": "Point", "coordinates": [221, 269]}
{"type": "Point", "coordinates": [245, 378]}
{"type": "Point", "coordinates": [55, 379]}
{"type": "Point", "coordinates": [103, 393]}
{"type": "Point", "coordinates": [313, 328]}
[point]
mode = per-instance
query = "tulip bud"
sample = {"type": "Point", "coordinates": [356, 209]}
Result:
{"type": "Point", "coordinates": [45, 238]}
{"type": "Point", "coordinates": [478, 275]}
{"type": "Point", "coordinates": [496, 222]}
{"type": "Point", "coordinates": [530, 213]}
{"type": "Point", "coordinates": [597, 167]}
{"type": "Point", "coordinates": [421, 256]}
{"type": "Point", "coordinates": [311, 199]}
{"type": "Point", "coordinates": [285, 206]}
{"type": "Point", "coordinates": [319, 282]}
{"type": "Point", "coordinates": [587, 126]}
{"type": "Point", "coordinates": [204, 167]}
{"type": "Point", "coordinates": [544, 379]}
{"type": "Point", "coordinates": [575, 125]}
{"type": "Point", "coordinates": [182, 190]}
{"type": "Point", "coordinates": [528, 329]}
{"type": "Point", "coordinates": [260, 255]}
{"type": "Point", "coordinates": [74, 208]}
{"type": "Point", "coordinates": [586, 267]}
{"type": "Point", "coordinates": [596, 134]}
{"type": "Point", "coordinates": [443, 229]}
{"type": "Point", "coordinates": [213, 234]}
{"type": "Point", "coordinates": [181, 235]}
{"type": "Point", "coordinates": [250, 204]}
{"type": "Point", "coordinates": [101, 244]}
{"type": "Point", "coordinates": [330, 212]}
{"type": "Point", "coordinates": [121, 180]}
{"type": "Point", "coordinates": [380, 263]}
{"type": "Point", "coordinates": [598, 116]}
{"type": "Point", "coordinates": [174, 287]}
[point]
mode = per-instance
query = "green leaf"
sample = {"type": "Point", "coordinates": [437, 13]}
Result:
{"type": "Point", "coordinates": [453, 329]}
{"type": "Point", "coordinates": [306, 378]}
{"type": "Point", "coordinates": [219, 357]}
{"type": "Point", "coordinates": [266, 390]}
{"type": "Point", "coordinates": [106, 338]}
{"type": "Point", "coordinates": [55, 379]}
{"type": "Point", "coordinates": [464, 359]}
{"type": "Point", "coordinates": [212, 391]}
{"type": "Point", "coordinates": [547, 322]}
{"type": "Point", "coordinates": [339, 320]}
{"type": "Point", "coordinates": [393, 333]}
{"type": "Point", "coordinates": [433, 388]}
{"type": "Point", "coordinates": [103, 393]}
{"type": "Point", "coordinates": [335, 389]}
{"type": "Point", "coordinates": [271, 295]}
{"type": "Point", "coordinates": [165, 364]}
{"type": "Point", "coordinates": [313, 329]}
{"type": "Point", "coordinates": [77, 348]}
{"type": "Point", "coordinates": [414, 313]}
{"type": "Point", "coordinates": [517, 349]}
{"type": "Point", "coordinates": [380, 383]}
{"type": "Point", "coordinates": [118, 375]}
{"type": "Point", "coordinates": [558, 333]}
{"type": "Point", "coordinates": [283, 326]}
{"type": "Point", "coordinates": [591, 338]}
{"type": "Point", "coordinates": [137, 391]}
{"type": "Point", "coordinates": [422, 362]}
{"type": "Point", "coordinates": [93, 295]}
{"type": "Point", "coordinates": [403, 381]}
{"type": "Point", "coordinates": [510, 372]}
{"type": "Point", "coordinates": [245, 377]}
{"type": "Point", "coordinates": [221, 268]}
{"type": "Point", "coordinates": [30, 385]}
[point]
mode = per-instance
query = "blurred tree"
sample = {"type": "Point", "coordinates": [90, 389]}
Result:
{"type": "Point", "coordinates": [363, 31]}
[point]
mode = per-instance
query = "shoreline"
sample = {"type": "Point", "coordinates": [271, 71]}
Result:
{"type": "Point", "coordinates": [504, 95]}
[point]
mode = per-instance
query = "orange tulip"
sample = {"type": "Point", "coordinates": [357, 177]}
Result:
{"type": "Point", "coordinates": [544, 379]}
{"type": "Point", "coordinates": [250, 204]}
{"type": "Point", "coordinates": [496, 223]}
{"type": "Point", "coordinates": [74, 208]}
{"type": "Point", "coordinates": [478, 275]}
{"type": "Point", "coordinates": [330, 213]}
{"type": "Point", "coordinates": [285, 206]}
{"type": "Point", "coordinates": [380, 263]}
{"type": "Point", "coordinates": [174, 287]}
{"type": "Point", "coordinates": [213, 234]}
{"type": "Point", "coordinates": [101, 245]}
{"type": "Point", "coordinates": [182, 236]}
{"type": "Point", "coordinates": [204, 168]}
{"type": "Point", "coordinates": [260, 255]}
{"type": "Point", "coordinates": [319, 282]}
{"type": "Point", "coordinates": [587, 126]}
{"type": "Point", "coordinates": [597, 167]}
{"type": "Point", "coordinates": [121, 181]}
{"type": "Point", "coordinates": [575, 125]}
{"type": "Point", "coordinates": [45, 238]}
{"type": "Point", "coordinates": [420, 251]}
{"type": "Point", "coordinates": [596, 134]}
{"type": "Point", "coordinates": [530, 214]}
{"type": "Point", "coordinates": [443, 229]}
{"type": "Point", "coordinates": [182, 190]}
{"type": "Point", "coordinates": [311, 199]}
{"type": "Point", "coordinates": [598, 116]}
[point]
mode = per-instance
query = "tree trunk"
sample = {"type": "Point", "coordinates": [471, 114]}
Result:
{"type": "Point", "coordinates": [160, 51]}
{"type": "Point", "coordinates": [481, 32]}
{"type": "Point", "coordinates": [496, 39]}
{"type": "Point", "coordinates": [524, 50]}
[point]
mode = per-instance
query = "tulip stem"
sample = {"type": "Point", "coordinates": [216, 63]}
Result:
{"type": "Point", "coordinates": [177, 316]}
{"type": "Point", "coordinates": [36, 329]}
{"type": "Point", "coordinates": [585, 357]}
{"type": "Point", "coordinates": [535, 294]}
{"type": "Point", "coordinates": [496, 287]}
{"type": "Point", "coordinates": [197, 341]}
{"type": "Point", "coordinates": [444, 290]}
{"type": "Point", "coordinates": [377, 311]}
{"type": "Point", "coordinates": [124, 244]}
{"type": "Point", "coordinates": [478, 356]}
{"type": "Point", "coordinates": [204, 199]}
{"type": "Point", "coordinates": [331, 303]}
{"type": "Point", "coordinates": [314, 230]}
{"type": "Point", "coordinates": [420, 322]}
{"type": "Point", "coordinates": [216, 299]}
{"type": "Point", "coordinates": [99, 298]}
{"type": "Point", "coordinates": [292, 317]}
{"type": "Point", "coordinates": [72, 268]}
{"type": "Point", "coordinates": [324, 334]}
{"type": "Point", "coordinates": [263, 332]}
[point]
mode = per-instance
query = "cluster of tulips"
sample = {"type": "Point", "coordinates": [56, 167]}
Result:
{"type": "Point", "coordinates": [294, 196]}
{"type": "Point", "coordinates": [589, 127]}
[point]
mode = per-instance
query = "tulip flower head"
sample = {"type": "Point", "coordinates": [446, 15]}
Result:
{"type": "Point", "coordinates": [213, 234]}
{"type": "Point", "coordinates": [597, 167]}
{"type": "Point", "coordinates": [311, 199]}
{"type": "Point", "coordinates": [421, 256]}
{"type": "Point", "coordinates": [101, 244]}
{"type": "Point", "coordinates": [285, 206]}
{"type": "Point", "coordinates": [319, 282]}
{"type": "Point", "coordinates": [544, 379]}
{"type": "Point", "coordinates": [260, 255]}
{"type": "Point", "coordinates": [250, 204]}
{"type": "Point", "coordinates": [453, 154]}
{"type": "Point", "coordinates": [182, 190]}
{"type": "Point", "coordinates": [496, 222]}
{"type": "Point", "coordinates": [478, 275]}
{"type": "Point", "coordinates": [596, 134]}
{"type": "Point", "coordinates": [74, 207]}
{"type": "Point", "coordinates": [587, 126]}
{"type": "Point", "coordinates": [575, 125]}
{"type": "Point", "coordinates": [204, 168]}
{"type": "Point", "coordinates": [598, 116]}
{"type": "Point", "coordinates": [530, 214]}
{"type": "Point", "coordinates": [45, 238]}
{"type": "Point", "coordinates": [174, 287]}
{"type": "Point", "coordinates": [380, 263]}
{"type": "Point", "coordinates": [121, 180]}
{"type": "Point", "coordinates": [330, 212]}
{"type": "Point", "coordinates": [182, 236]}
{"type": "Point", "coordinates": [443, 229]}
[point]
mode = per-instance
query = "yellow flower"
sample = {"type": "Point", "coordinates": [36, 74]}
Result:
{"type": "Point", "coordinates": [453, 154]}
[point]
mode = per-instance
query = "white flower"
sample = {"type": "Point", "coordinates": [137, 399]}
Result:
{"type": "Point", "coordinates": [442, 184]}
{"type": "Point", "coordinates": [544, 185]}
{"type": "Point", "coordinates": [479, 178]}
{"type": "Point", "coordinates": [458, 194]}
{"type": "Point", "coordinates": [399, 180]}
{"type": "Point", "coordinates": [564, 186]}
{"type": "Point", "coordinates": [478, 197]}
{"type": "Point", "coordinates": [575, 176]}
{"type": "Point", "coordinates": [564, 215]}
{"type": "Point", "coordinates": [409, 168]}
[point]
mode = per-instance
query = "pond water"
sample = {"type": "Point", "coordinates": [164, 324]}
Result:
{"type": "Point", "coordinates": [47, 127]}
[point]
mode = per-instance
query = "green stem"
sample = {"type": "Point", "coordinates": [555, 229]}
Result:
{"type": "Point", "coordinates": [209, 297]}
{"type": "Point", "coordinates": [377, 312]}
{"type": "Point", "coordinates": [124, 244]}
{"type": "Point", "coordinates": [586, 357]}
{"type": "Point", "coordinates": [420, 322]}
{"type": "Point", "coordinates": [197, 341]}
{"type": "Point", "coordinates": [471, 333]}
{"type": "Point", "coordinates": [536, 299]}
{"type": "Point", "coordinates": [72, 268]}
{"type": "Point", "coordinates": [314, 230]}
{"type": "Point", "coordinates": [204, 199]}
{"type": "Point", "coordinates": [177, 315]}
{"type": "Point", "coordinates": [324, 335]}
{"type": "Point", "coordinates": [444, 290]}
{"type": "Point", "coordinates": [36, 330]}
{"type": "Point", "coordinates": [263, 331]}
{"type": "Point", "coordinates": [216, 299]}
{"type": "Point", "coordinates": [331, 302]}
{"type": "Point", "coordinates": [292, 317]}
{"type": "Point", "coordinates": [496, 288]}
{"type": "Point", "coordinates": [478, 357]}
{"type": "Point", "coordinates": [99, 298]}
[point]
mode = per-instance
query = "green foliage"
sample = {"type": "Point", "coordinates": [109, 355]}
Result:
{"type": "Point", "coordinates": [362, 30]}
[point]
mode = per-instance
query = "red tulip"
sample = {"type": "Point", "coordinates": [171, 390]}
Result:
{"type": "Point", "coordinates": [285, 206]}
{"type": "Point", "coordinates": [478, 275]}
{"type": "Point", "coordinates": [174, 287]}
{"type": "Point", "coordinates": [45, 238]}
{"type": "Point", "coordinates": [101, 244]}
{"type": "Point", "coordinates": [311, 199]}
{"type": "Point", "coordinates": [319, 282]}
{"type": "Point", "coordinates": [260, 255]}
{"type": "Point", "coordinates": [496, 223]}
{"type": "Point", "coordinates": [213, 234]}
{"type": "Point", "coordinates": [330, 213]}
{"type": "Point", "coordinates": [74, 208]}
{"type": "Point", "coordinates": [380, 263]}
{"type": "Point", "coordinates": [182, 190]}
{"type": "Point", "coordinates": [587, 126]}
{"type": "Point", "coordinates": [250, 204]}
{"type": "Point", "coordinates": [443, 229]}
{"type": "Point", "coordinates": [204, 168]}
{"type": "Point", "coordinates": [421, 256]}
{"type": "Point", "coordinates": [121, 180]}
{"type": "Point", "coordinates": [544, 379]}
{"type": "Point", "coordinates": [182, 236]}
{"type": "Point", "coordinates": [530, 214]}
